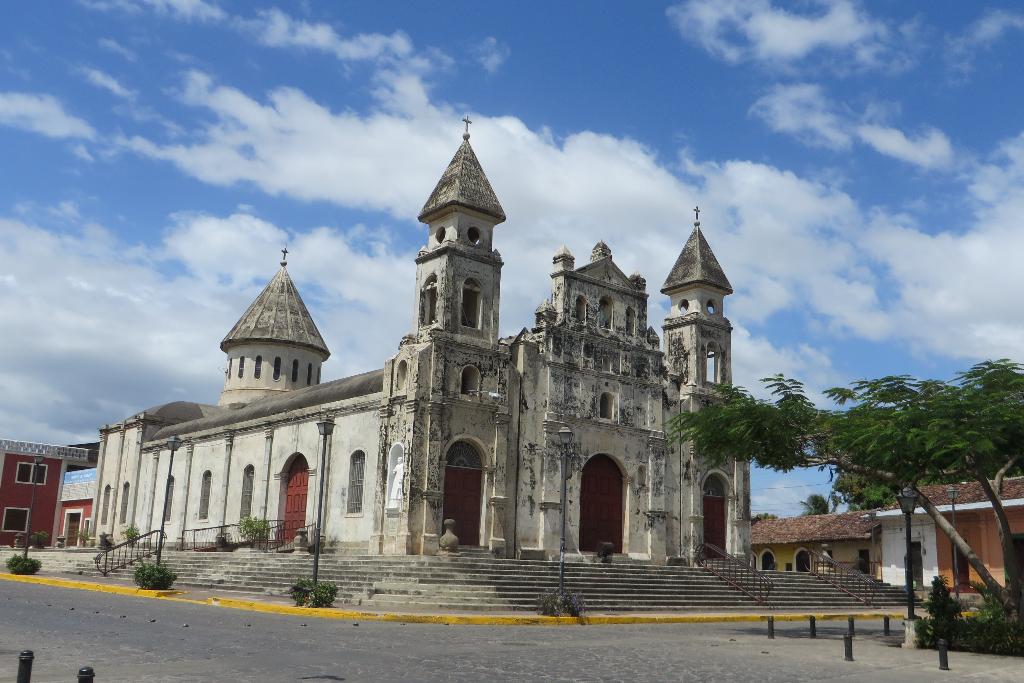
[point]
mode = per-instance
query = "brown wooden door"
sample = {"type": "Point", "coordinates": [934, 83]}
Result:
{"type": "Point", "coordinates": [462, 497]}
{"type": "Point", "coordinates": [601, 504]}
{"type": "Point", "coordinates": [714, 520]}
{"type": "Point", "coordinates": [295, 497]}
{"type": "Point", "coordinates": [71, 532]}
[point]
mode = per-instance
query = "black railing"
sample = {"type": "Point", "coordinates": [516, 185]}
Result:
{"type": "Point", "coordinates": [280, 536]}
{"type": "Point", "coordinates": [128, 553]}
{"type": "Point", "coordinates": [735, 572]}
{"type": "Point", "coordinates": [208, 539]}
{"type": "Point", "coordinates": [849, 581]}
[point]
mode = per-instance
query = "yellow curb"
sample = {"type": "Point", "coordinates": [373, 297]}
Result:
{"type": "Point", "coordinates": [450, 619]}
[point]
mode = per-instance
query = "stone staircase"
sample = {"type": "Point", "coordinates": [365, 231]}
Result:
{"type": "Point", "coordinates": [475, 580]}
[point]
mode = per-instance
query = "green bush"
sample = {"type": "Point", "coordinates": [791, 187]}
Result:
{"type": "Point", "coordinates": [555, 604]}
{"type": "Point", "coordinates": [154, 577]}
{"type": "Point", "coordinates": [130, 533]}
{"type": "Point", "coordinates": [991, 636]}
{"type": "Point", "coordinates": [943, 620]}
{"type": "Point", "coordinates": [84, 537]}
{"type": "Point", "coordinates": [39, 538]}
{"type": "Point", "coordinates": [307, 594]}
{"type": "Point", "coordinates": [16, 564]}
{"type": "Point", "coordinates": [253, 529]}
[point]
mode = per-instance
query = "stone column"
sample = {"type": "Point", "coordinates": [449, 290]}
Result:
{"type": "Point", "coordinates": [189, 450]}
{"type": "Point", "coordinates": [98, 495]}
{"type": "Point", "coordinates": [740, 541]}
{"type": "Point", "coordinates": [229, 440]}
{"type": "Point", "coordinates": [153, 483]}
{"type": "Point", "coordinates": [550, 531]}
{"type": "Point", "coordinates": [696, 513]}
{"type": "Point", "coordinates": [497, 522]}
{"type": "Point", "coordinates": [656, 513]}
{"type": "Point", "coordinates": [136, 491]}
{"type": "Point", "coordinates": [268, 447]}
{"type": "Point", "coordinates": [115, 494]}
{"type": "Point", "coordinates": [432, 506]}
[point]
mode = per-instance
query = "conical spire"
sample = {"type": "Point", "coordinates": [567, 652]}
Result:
{"type": "Point", "coordinates": [277, 315]}
{"type": "Point", "coordinates": [696, 265]}
{"type": "Point", "coordinates": [463, 184]}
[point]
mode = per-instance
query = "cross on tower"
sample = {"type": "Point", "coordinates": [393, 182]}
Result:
{"type": "Point", "coordinates": [465, 136]}
{"type": "Point", "coordinates": [696, 215]}
{"type": "Point", "coordinates": [284, 256]}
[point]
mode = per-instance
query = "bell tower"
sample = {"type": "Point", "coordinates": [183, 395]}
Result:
{"type": "Point", "coordinates": [698, 336]}
{"type": "Point", "coordinates": [458, 272]}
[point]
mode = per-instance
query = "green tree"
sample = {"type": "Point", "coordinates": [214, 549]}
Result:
{"type": "Point", "coordinates": [892, 431]}
{"type": "Point", "coordinates": [763, 516]}
{"type": "Point", "coordinates": [862, 493]}
{"type": "Point", "coordinates": [817, 504]}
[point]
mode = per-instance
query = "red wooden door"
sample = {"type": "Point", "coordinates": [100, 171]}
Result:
{"type": "Point", "coordinates": [295, 497]}
{"type": "Point", "coordinates": [714, 520]}
{"type": "Point", "coordinates": [601, 504]}
{"type": "Point", "coordinates": [462, 497]}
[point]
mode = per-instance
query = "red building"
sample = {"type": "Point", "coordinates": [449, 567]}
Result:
{"type": "Point", "coordinates": [16, 460]}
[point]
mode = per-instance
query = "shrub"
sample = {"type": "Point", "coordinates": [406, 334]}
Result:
{"type": "Point", "coordinates": [555, 604]}
{"type": "Point", "coordinates": [307, 594]}
{"type": "Point", "coordinates": [39, 538]}
{"type": "Point", "coordinates": [130, 533]}
{"type": "Point", "coordinates": [253, 529]}
{"type": "Point", "coordinates": [17, 564]}
{"type": "Point", "coordinates": [943, 620]}
{"type": "Point", "coordinates": [84, 537]}
{"type": "Point", "coordinates": [158, 577]}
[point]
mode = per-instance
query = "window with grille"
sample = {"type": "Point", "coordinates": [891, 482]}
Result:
{"type": "Point", "coordinates": [106, 504]}
{"type": "Point", "coordinates": [248, 475]}
{"type": "Point", "coordinates": [125, 490]}
{"type": "Point", "coordinates": [277, 368]}
{"type": "Point", "coordinates": [170, 500]}
{"type": "Point", "coordinates": [204, 495]}
{"type": "Point", "coordinates": [355, 482]}
{"type": "Point", "coordinates": [258, 369]}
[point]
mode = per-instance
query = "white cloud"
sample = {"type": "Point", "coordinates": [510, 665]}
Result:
{"type": "Point", "coordinates": [105, 81]}
{"type": "Point", "coordinates": [756, 30]}
{"type": "Point", "coordinates": [186, 10]}
{"type": "Point", "coordinates": [117, 48]}
{"type": "Point", "coordinates": [981, 35]}
{"type": "Point", "coordinates": [931, 149]}
{"type": "Point", "coordinates": [42, 114]}
{"type": "Point", "coordinates": [274, 28]}
{"type": "Point", "coordinates": [491, 53]}
{"type": "Point", "coordinates": [803, 111]}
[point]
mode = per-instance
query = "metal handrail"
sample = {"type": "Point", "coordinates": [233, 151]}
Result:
{"type": "Point", "coordinates": [206, 539]}
{"type": "Point", "coordinates": [849, 581]}
{"type": "Point", "coordinates": [128, 553]}
{"type": "Point", "coordinates": [735, 572]}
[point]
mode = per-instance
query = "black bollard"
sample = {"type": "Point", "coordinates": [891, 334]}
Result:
{"type": "Point", "coordinates": [848, 647]}
{"type": "Point", "coordinates": [25, 660]}
{"type": "Point", "coordinates": [943, 654]}
{"type": "Point", "coordinates": [814, 627]}
{"type": "Point", "coordinates": [771, 628]}
{"type": "Point", "coordinates": [885, 625]}
{"type": "Point", "coordinates": [849, 625]}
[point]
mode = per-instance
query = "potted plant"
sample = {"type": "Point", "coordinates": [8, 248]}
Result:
{"type": "Point", "coordinates": [84, 538]}
{"type": "Point", "coordinates": [130, 533]}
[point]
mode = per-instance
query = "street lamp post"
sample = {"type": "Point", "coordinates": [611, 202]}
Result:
{"type": "Point", "coordinates": [172, 443]}
{"type": "Point", "coordinates": [908, 501]}
{"type": "Point", "coordinates": [36, 462]}
{"type": "Point", "coordinates": [953, 491]}
{"type": "Point", "coordinates": [326, 427]}
{"type": "Point", "coordinates": [565, 436]}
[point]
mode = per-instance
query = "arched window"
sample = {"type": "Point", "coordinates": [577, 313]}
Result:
{"type": "Point", "coordinates": [473, 235]}
{"type": "Point", "coordinates": [257, 369]}
{"type": "Point", "coordinates": [241, 366]}
{"type": "Point", "coordinates": [125, 491]}
{"type": "Point", "coordinates": [204, 495]}
{"type": "Point", "coordinates": [230, 361]}
{"type": "Point", "coordinates": [428, 301]}
{"type": "Point", "coordinates": [463, 454]}
{"type": "Point", "coordinates": [607, 362]}
{"type": "Point", "coordinates": [318, 375]}
{"type": "Point", "coordinates": [295, 370]}
{"type": "Point", "coordinates": [713, 486]}
{"type": "Point", "coordinates": [309, 374]}
{"type": "Point", "coordinates": [711, 368]}
{"type": "Point", "coordinates": [630, 320]}
{"type": "Point", "coordinates": [355, 482]}
{"type": "Point", "coordinates": [170, 500]}
{"type": "Point", "coordinates": [607, 407]}
{"type": "Point", "coordinates": [711, 307]}
{"type": "Point", "coordinates": [471, 304]}
{"type": "Point", "coordinates": [581, 309]}
{"type": "Point", "coordinates": [470, 383]}
{"type": "Point", "coordinates": [248, 476]}
{"type": "Point", "coordinates": [277, 368]}
{"type": "Point", "coordinates": [106, 504]}
{"type": "Point", "coordinates": [605, 312]}
{"type": "Point", "coordinates": [768, 561]}
{"type": "Point", "coordinates": [401, 375]}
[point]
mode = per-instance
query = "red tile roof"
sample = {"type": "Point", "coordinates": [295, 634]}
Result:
{"type": "Point", "coordinates": [970, 492]}
{"type": "Point", "coordinates": [834, 527]}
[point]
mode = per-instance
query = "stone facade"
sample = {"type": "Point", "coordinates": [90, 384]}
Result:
{"type": "Point", "coordinates": [460, 422]}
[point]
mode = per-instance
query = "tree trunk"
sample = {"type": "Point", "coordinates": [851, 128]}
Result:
{"type": "Point", "coordinates": [1013, 582]}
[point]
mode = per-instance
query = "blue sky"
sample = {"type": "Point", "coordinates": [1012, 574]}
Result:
{"type": "Point", "coordinates": [860, 168]}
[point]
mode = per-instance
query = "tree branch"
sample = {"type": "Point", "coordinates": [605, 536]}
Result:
{"type": "Point", "coordinates": [1013, 579]}
{"type": "Point", "coordinates": [1001, 474]}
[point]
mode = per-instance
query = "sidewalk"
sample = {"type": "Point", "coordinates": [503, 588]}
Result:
{"type": "Point", "coordinates": [261, 602]}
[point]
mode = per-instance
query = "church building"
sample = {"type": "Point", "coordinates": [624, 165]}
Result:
{"type": "Point", "coordinates": [460, 423]}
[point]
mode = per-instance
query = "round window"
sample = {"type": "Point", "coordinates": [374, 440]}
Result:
{"type": "Point", "coordinates": [473, 235]}
{"type": "Point", "coordinates": [711, 306]}
{"type": "Point", "coordinates": [439, 235]}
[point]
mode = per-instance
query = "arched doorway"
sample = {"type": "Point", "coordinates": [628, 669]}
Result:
{"type": "Point", "coordinates": [295, 497]}
{"type": "Point", "coordinates": [714, 512]}
{"type": "Point", "coordinates": [601, 504]}
{"type": "Point", "coordinates": [463, 491]}
{"type": "Point", "coordinates": [768, 561]}
{"type": "Point", "coordinates": [803, 561]}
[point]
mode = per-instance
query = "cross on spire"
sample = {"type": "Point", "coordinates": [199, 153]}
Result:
{"type": "Point", "coordinates": [284, 256]}
{"type": "Point", "coordinates": [696, 216]}
{"type": "Point", "coordinates": [465, 136]}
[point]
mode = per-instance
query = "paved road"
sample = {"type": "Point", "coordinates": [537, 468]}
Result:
{"type": "Point", "coordinates": [133, 639]}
